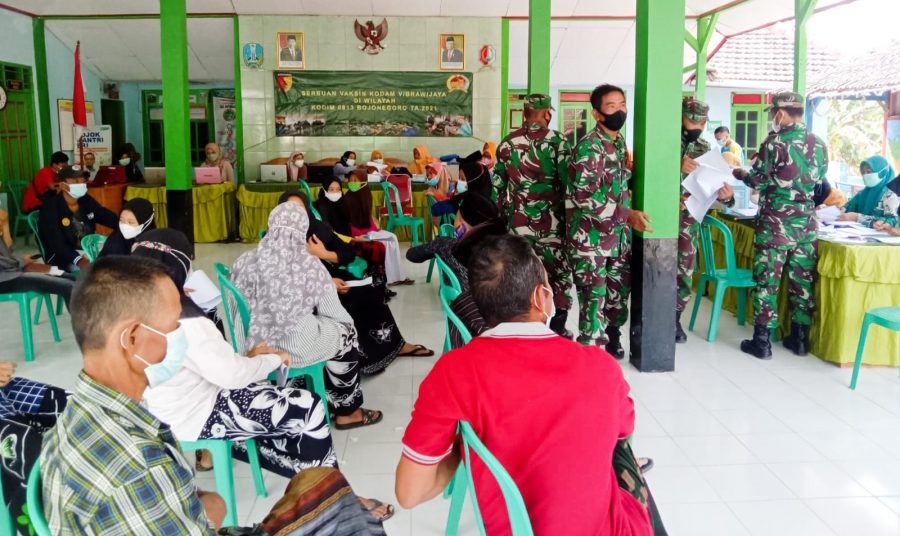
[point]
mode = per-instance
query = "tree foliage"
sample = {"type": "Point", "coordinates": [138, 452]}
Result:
{"type": "Point", "coordinates": [855, 129]}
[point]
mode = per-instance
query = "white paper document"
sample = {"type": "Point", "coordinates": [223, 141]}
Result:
{"type": "Point", "coordinates": [359, 282]}
{"type": "Point", "coordinates": [705, 182]}
{"type": "Point", "coordinates": [892, 240]}
{"type": "Point", "coordinates": [203, 291]}
{"type": "Point", "coordinates": [828, 214]}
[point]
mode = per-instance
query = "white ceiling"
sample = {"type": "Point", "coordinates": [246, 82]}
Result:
{"type": "Point", "coordinates": [583, 51]}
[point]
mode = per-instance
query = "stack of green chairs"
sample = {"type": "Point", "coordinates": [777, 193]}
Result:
{"type": "Point", "coordinates": [396, 217]}
{"type": "Point", "coordinates": [92, 244]}
{"type": "Point", "coordinates": [17, 192]}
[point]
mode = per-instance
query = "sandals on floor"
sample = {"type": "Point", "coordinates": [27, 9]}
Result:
{"type": "Point", "coordinates": [199, 466]}
{"type": "Point", "coordinates": [370, 417]}
{"type": "Point", "coordinates": [406, 281]}
{"type": "Point", "coordinates": [389, 510]}
{"type": "Point", "coordinates": [645, 464]}
{"type": "Point", "coordinates": [417, 351]}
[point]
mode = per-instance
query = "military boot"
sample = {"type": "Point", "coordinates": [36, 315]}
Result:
{"type": "Point", "coordinates": [558, 324]}
{"type": "Point", "coordinates": [680, 335]}
{"type": "Point", "coordinates": [798, 340]}
{"type": "Point", "coordinates": [614, 346]}
{"type": "Point", "coordinates": [759, 346]}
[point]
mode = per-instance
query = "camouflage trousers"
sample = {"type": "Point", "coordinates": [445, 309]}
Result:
{"type": "Point", "coordinates": [603, 285]}
{"type": "Point", "coordinates": [799, 259]}
{"type": "Point", "coordinates": [555, 259]}
{"type": "Point", "coordinates": [688, 230]}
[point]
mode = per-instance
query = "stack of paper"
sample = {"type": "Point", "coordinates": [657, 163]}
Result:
{"type": "Point", "coordinates": [202, 291]}
{"type": "Point", "coordinates": [828, 214]}
{"type": "Point", "coordinates": [705, 182]}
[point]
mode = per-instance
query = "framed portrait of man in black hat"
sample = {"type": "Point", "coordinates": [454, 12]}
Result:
{"type": "Point", "coordinates": [291, 53]}
{"type": "Point", "coordinates": [452, 52]}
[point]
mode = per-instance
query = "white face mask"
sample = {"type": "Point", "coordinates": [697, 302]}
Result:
{"type": "Point", "coordinates": [552, 305]}
{"type": "Point", "coordinates": [334, 197]}
{"type": "Point", "coordinates": [130, 231]}
{"type": "Point", "coordinates": [351, 162]}
{"type": "Point", "coordinates": [871, 179]}
{"type": "Point", "coordinates": [721, 143]}
{"type": "Point", "coordinates": [298, 163]}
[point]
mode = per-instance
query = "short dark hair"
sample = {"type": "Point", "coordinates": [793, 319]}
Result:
{"type": "Point", "coordinates": [601, 91]}
{"type": "Point", "coordinates": [722, 129]}
{"type": "Point", "coordinates": [791, 111]}
{"type": "Point", "coordinates": [114, 288]}
{"type": "Point", "coordinates": [59, 157]}
{"type": "Point", "coordinates": [503, 271]}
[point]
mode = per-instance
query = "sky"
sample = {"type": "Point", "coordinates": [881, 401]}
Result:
{"type": "Point", "coordinates": [854, 28]}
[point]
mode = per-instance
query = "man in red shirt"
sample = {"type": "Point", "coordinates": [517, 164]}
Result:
{"type": "Point", "coordinates": [551, 410]}
{"type": "Point", "coordinates": [44, 181]}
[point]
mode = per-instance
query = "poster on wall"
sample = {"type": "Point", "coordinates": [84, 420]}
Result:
{"type": "Point", "coordinates": [893, 140]}
{"type": "Point", "coordinates": [223, 123]}
{"type": "Point", "coordinates": [367, 103]}
{"type": "Point", "coordinates": [67, 124]}
{"type": "Point", "coordinates": [97, 142]}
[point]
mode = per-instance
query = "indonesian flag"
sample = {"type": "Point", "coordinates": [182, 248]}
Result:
{"type": "Point", "coordinates": [79, 111]}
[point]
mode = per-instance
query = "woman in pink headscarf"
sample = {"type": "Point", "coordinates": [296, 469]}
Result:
{"type": "Point", "coordinates": [296, 167]}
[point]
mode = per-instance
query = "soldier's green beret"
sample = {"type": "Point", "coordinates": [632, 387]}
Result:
{"type": "Point", "coordinates": [787, 99]}
{"type": "Point", "coordinates": [539, 101]}
{"type": "Point", "coordinates": [695, 110]}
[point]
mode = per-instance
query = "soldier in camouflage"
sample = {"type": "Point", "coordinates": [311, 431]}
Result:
{"type": "Point", "coordinates": [694, 114]}
{"type": "Point", "coordinates": [600, 220]}
{"type": "Point", "coordinates": [791, 162]}
{"type": "Point", "coordinates": [532, 162]}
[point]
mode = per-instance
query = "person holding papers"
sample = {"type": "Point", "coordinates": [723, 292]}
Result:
{"type": "Point", "coordinates": [791, 162]}
{"type": "Point", "coordinates": [694, 114]}
{"type": "Point", "coordinates": [876, 202]}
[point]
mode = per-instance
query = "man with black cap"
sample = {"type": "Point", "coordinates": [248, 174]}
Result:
{"type": "Point", "coordinates": [532, 166]}
{"type": "Point", "coordinates": [694, 114]}
{"type": "Point", "coordinates": [792, 162]}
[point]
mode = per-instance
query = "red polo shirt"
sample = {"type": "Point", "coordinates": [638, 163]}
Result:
{"type": "Point", "coordinates": [551, 411]}
{"type": "Point", "coordinates": [42, 181]}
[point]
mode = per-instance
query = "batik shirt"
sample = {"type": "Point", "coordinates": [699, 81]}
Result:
{"type": "Point", "coordinates": [532, 163]}
{"type": "Point", "coordinates": [597, 201]}
{"type": "Point", "coordinates": [790, 164]}
{"type": "Point", "coordinates": [110, 467]}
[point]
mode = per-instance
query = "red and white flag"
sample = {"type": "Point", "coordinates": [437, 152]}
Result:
{"type": "Point", "coordinates": [79, 110]}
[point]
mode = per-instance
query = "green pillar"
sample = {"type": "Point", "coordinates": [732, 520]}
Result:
{"type": "Point", "coordinates": [803, 10]}
{"type": "Point", "coordinates": [706, 27]}
{"type": "Point", "coordinates": [539, 46]}
{"type": "Point", "coordinates": [238, 107]}
{"type": "Point", "coordinates": [504, 77]}
{"type": "Point", "coordinates": [176, 114]}
{"type": "Point", "coordinates": [43, 92]}
{"type": "Point", "coordinates": [657, 142]}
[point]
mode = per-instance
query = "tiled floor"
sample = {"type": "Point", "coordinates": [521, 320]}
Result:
{"type": "Point", "coordinates": [742, 447]}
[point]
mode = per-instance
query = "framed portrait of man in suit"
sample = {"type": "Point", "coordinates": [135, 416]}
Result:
{"type": "Point", "coordinates": [452, 52]}
{"type": "Point", "coordinates": [291, 52]}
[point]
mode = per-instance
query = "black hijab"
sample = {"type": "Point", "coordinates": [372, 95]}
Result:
{"type": "Point", "coordinates": [171, 248]}
{"type": "Point", "coordinates": [316, 227]}
{"type": "Point", "coordinates": [117, 244]}
{"type": "Point", "coordinates": [478, 177]}
{"type": "Point", "coordinates": [334, 213]}
{"type": "Point", "coordinates": [345, 157]}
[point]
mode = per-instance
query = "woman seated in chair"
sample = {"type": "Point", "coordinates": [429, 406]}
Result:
{"type": "Point", "coordinates": [476, 219]}
{"type": "Point", "coordinates": [27, 410]}
{"type": "Point", "coordinates": [136, 218]}
{"type": "Point", "coordinates": [294, 307]}
{"type": "Point", "coordinates": [345, 165]}
{"type": "Point", "coordinates": [379, 335]}
{"type": "Point", "coordinates": [359, 211]}
{"type": "Point", "coordinates": [25, 275]}
{"type": "Point", "coordinates": [421, 158]}
{"type": "Point", "coordinates": [67, 218]}
{"type": "Point", "coordinates": [297, 169]}
{"type": "Point", "coordinates": [876, 202]}
{"type": "Point", "coordinates": [215, 159]}
{"type": "Point", "coordinates": [220, 394]}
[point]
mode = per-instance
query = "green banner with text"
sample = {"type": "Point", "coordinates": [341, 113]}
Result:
{"type": "Point", "coordinates": [367, 103]}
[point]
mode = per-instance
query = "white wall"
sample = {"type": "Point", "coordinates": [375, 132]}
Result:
{"type": "Point", "coordinates": [332, 45]}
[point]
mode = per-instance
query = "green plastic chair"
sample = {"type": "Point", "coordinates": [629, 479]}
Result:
{"type": "Point", "coordinates": [312, 207]}
{"type": "Point", "coordinates": [32, 220]}
{"type": "Point", "coordinates": [7, 527]}
{"type": "Point", "coordinates": [24, 300]}
{"type": "Point", "coordinates": [313, 375]}
{"type": "Point", "coordinates": [92, 244]}
{"type": "Point", "coordinates": [396, 217]}
{"type": "Point", "coordinates": [449, 291]}
{"type": "Point", "coordinates": [723, 278]}
{"type": "Point", "coordinates": [515, 505]}
{"type": "Point", "coordinates": [17, 192]}
{"type": "Point", "coordinates": [34, 500]}
{"type": "Point", "coordinates": [887, 317]}
{"type": "Point", "coordinates": [224, 473]}
{"type": "Point", "coordinates": [444, 219]}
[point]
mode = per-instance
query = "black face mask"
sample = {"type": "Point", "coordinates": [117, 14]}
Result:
{"type": "Point", "coordinates": [614, 121]}
{"type": "Point", "coordinates": [691, 135]}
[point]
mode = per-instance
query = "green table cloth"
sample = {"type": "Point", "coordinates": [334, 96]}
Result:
{"type": "Point", "coordinates": [215, 213]}
{"type": "Point", "coordinates": [853, 278]}
{"type": "Point", "coordinates": [256, 200]}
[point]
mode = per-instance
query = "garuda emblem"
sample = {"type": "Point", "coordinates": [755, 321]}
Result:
{"type": "Point", "coordinates": [371, 35]}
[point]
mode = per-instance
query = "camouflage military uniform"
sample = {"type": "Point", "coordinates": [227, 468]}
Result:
{"type": "Point", "coordinates": [597, 209]}
{"type": "Point", "coordinates": [790, 164]}
{"type": "Point", "coordinates": [532, 163]}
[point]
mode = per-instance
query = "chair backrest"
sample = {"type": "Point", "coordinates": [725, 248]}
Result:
{"type": "Point", "coordinates": [447, 294]}
{"type": "Point", "coordinates": [448, 276]}
{"type": "Point", "coordinates": [231, 295]}
{"type": "Point", "coordinates": [404, 186]}
{"type": "Point", "coordinates": [310, 200]}
{"type": "Point", "coordinates": [391, 199]}
{"type": "Point", "coordinates": [706, 245]}
{"type": "Point", "coordinates": [438, 221]}
{"type": "Point", "coordinates": [262, 234]}
{"type": "Point", "coordinates": [33, 218]}
{"type": "Point", "coordinates": [17, 191]}
{"type": "Point", "coordinates": [515, 506]}
{"type": "Point", "coordinates": [34, 500]}
{"type": "Point", "coordinates": [448, 230]}
{"type": "Point", "coordinates": [92, 244]}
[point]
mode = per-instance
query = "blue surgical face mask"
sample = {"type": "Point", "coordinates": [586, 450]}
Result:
{"type": "Point", "coordinates": [77, 190]}
{"type": "Point", "coordinates": [460, 231]}
{"type": "Point", "coordinates": [461, 187]}
{"type": "Point", "coordinates": [176, 349]}
{"type": "Point", "coordinates": [871, 179]}
{"type": "Point", "coordinates": [432, 182]}
{"type": "Point", "coordinates": [720, 143]}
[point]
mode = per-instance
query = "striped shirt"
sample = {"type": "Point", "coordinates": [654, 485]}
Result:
{"type": "Point", "coordinates": [110, 467]}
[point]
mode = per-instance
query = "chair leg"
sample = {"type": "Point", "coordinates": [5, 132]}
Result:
{"type": "Point", "coordinates": [37, 312]}
{"type": "Point", "coordinates": [701, 289]}
{"type": "Point", "coordinates": [318, 387]}
{"type": "Point", "coordinates": [255, 467]}
{"type": "Point", "coordinates": [741, 305]}
{"type": "Point", "coordinates": [51, 316]}
{"type": "Point", "coordinates": [860, 347]}
{"type": "Point", "coordinates": [224, 473]}
{"type": "Point", "coordinates": [415, 234]}
{"type": "Point", "coordinates": [25, 321]}
{"type": "Point", "coordinates": [716, 311]}
{"type": "Point", "coordinates": [430, 269]}
{"type": "Point", "coordinates": [60, 305]}
{"type": "Point", "coordinates": [457, 489]}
